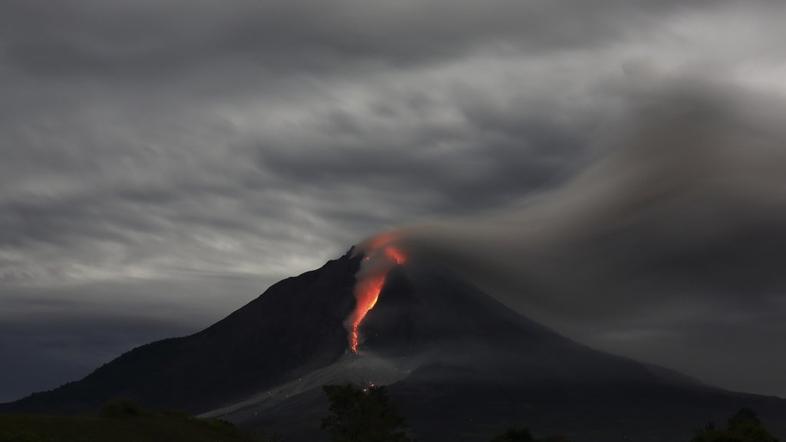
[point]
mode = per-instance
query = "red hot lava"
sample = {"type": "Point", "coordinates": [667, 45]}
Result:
{"type": "Point", "coordinates": [380, 258]}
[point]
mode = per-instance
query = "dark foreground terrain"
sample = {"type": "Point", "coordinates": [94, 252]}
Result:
{"type": "Point", "coordinates": [92, 428]}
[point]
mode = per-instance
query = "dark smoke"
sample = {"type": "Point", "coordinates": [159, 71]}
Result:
{"type": "Point", "coordinates": [670, 246]}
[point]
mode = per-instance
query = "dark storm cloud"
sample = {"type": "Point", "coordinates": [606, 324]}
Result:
{"type": "Point", "coordinates": [158, 154]}
{"type": "Point", "coordinates": [149, 37]}
{"type": "Point", "coordinates": [480, 163]}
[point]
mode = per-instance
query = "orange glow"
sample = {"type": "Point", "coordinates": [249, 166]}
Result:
{"type": "Point", "coordinates": [370, 284]}
{"type": "Point", "coordinates": [379, 241]}
{"type": "Point", "coordinates": [395, 255]}
{"type": "Point", "coordinates": [366, 295]}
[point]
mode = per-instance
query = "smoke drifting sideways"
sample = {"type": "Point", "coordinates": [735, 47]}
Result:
{"type": "Point", "coordinates": [669, 247]}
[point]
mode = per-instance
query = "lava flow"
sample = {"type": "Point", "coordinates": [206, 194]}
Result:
{"type": "Point", "coordinates": [371, 278]}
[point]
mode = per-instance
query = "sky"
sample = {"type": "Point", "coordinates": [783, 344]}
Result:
{"type": "Point", "coordinates": [611, 168]}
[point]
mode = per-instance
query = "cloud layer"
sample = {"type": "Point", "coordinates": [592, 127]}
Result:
{"type": "Point", "coordinates": [170, 153]}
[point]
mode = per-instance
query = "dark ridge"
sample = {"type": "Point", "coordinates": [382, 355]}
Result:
{"type": "Point", "coordinates": [292, 328]}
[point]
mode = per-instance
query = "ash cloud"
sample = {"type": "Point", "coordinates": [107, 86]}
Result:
{"type": "Point", "coordinates": [670, 243]}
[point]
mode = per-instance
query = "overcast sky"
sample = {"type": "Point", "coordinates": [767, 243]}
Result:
{"type": "Point", "coordinates": [164, 161]}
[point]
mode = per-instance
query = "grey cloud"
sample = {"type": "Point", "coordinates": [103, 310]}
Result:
{"type": "Point", "coordinates": [487, 156]}
{"type": "Point", "coordinates": [191, 152]}
{"type": "Point", "coordinates": [148, 38]}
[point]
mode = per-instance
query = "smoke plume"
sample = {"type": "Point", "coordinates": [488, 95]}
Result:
{"type": "Point", "coordinates": [672, 239]}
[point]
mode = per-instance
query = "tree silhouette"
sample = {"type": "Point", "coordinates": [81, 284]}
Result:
{"type": "Point", "coordinates": [523, 435]}
{"type": "Point", "coordinates": [362, 414]}
{"type": "Point", "coordinates": [744, 426]}
{"type": "Point", "coordinates": [122, 408]}
{"type": "Point", "coordinates": [515, 435]}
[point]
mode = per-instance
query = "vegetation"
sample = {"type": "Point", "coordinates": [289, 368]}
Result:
{"type": "Point", "coordinates": [744, 426]}
{"type": "Point", "coordinates": [362, 414]}
{"type": "Point", "coordinates": [523, 435]}
{"type": "Point", "coordinates": [515, 435]}
{"type": "Point", "coordinates": [357, 414]}
{"type": "Point", "coordinates": [119, 421]}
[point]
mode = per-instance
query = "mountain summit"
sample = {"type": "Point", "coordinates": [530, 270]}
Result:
{"type": "Point", "coordinates": [460, 365]}
{"type": "Point", "coordinates": [294, 327]}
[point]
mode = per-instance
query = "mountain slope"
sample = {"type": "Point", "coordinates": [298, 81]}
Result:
{"type": "Point", "coordinates": [292, 328]}
{"type": "Point", "coordinates": [460, 365]}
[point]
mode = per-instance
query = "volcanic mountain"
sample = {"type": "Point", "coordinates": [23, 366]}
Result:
{"type": "Point", "coordinates": [460, 365]}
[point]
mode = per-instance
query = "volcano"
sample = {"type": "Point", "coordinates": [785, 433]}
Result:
{"type": "Point", "coordinates": [459, 364]}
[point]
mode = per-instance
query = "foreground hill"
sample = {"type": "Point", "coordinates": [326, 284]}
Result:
{"type": "Point", "coordinates": [148, 428]}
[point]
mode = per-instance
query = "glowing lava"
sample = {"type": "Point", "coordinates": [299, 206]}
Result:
{"type": "Point", "coordinates": [366, 295]}
{"type": "Point", "coordinates": [379, 259]}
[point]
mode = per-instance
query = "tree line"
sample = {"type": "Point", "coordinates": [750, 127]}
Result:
{"type": "Point", "coordinates": [366, 414]}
